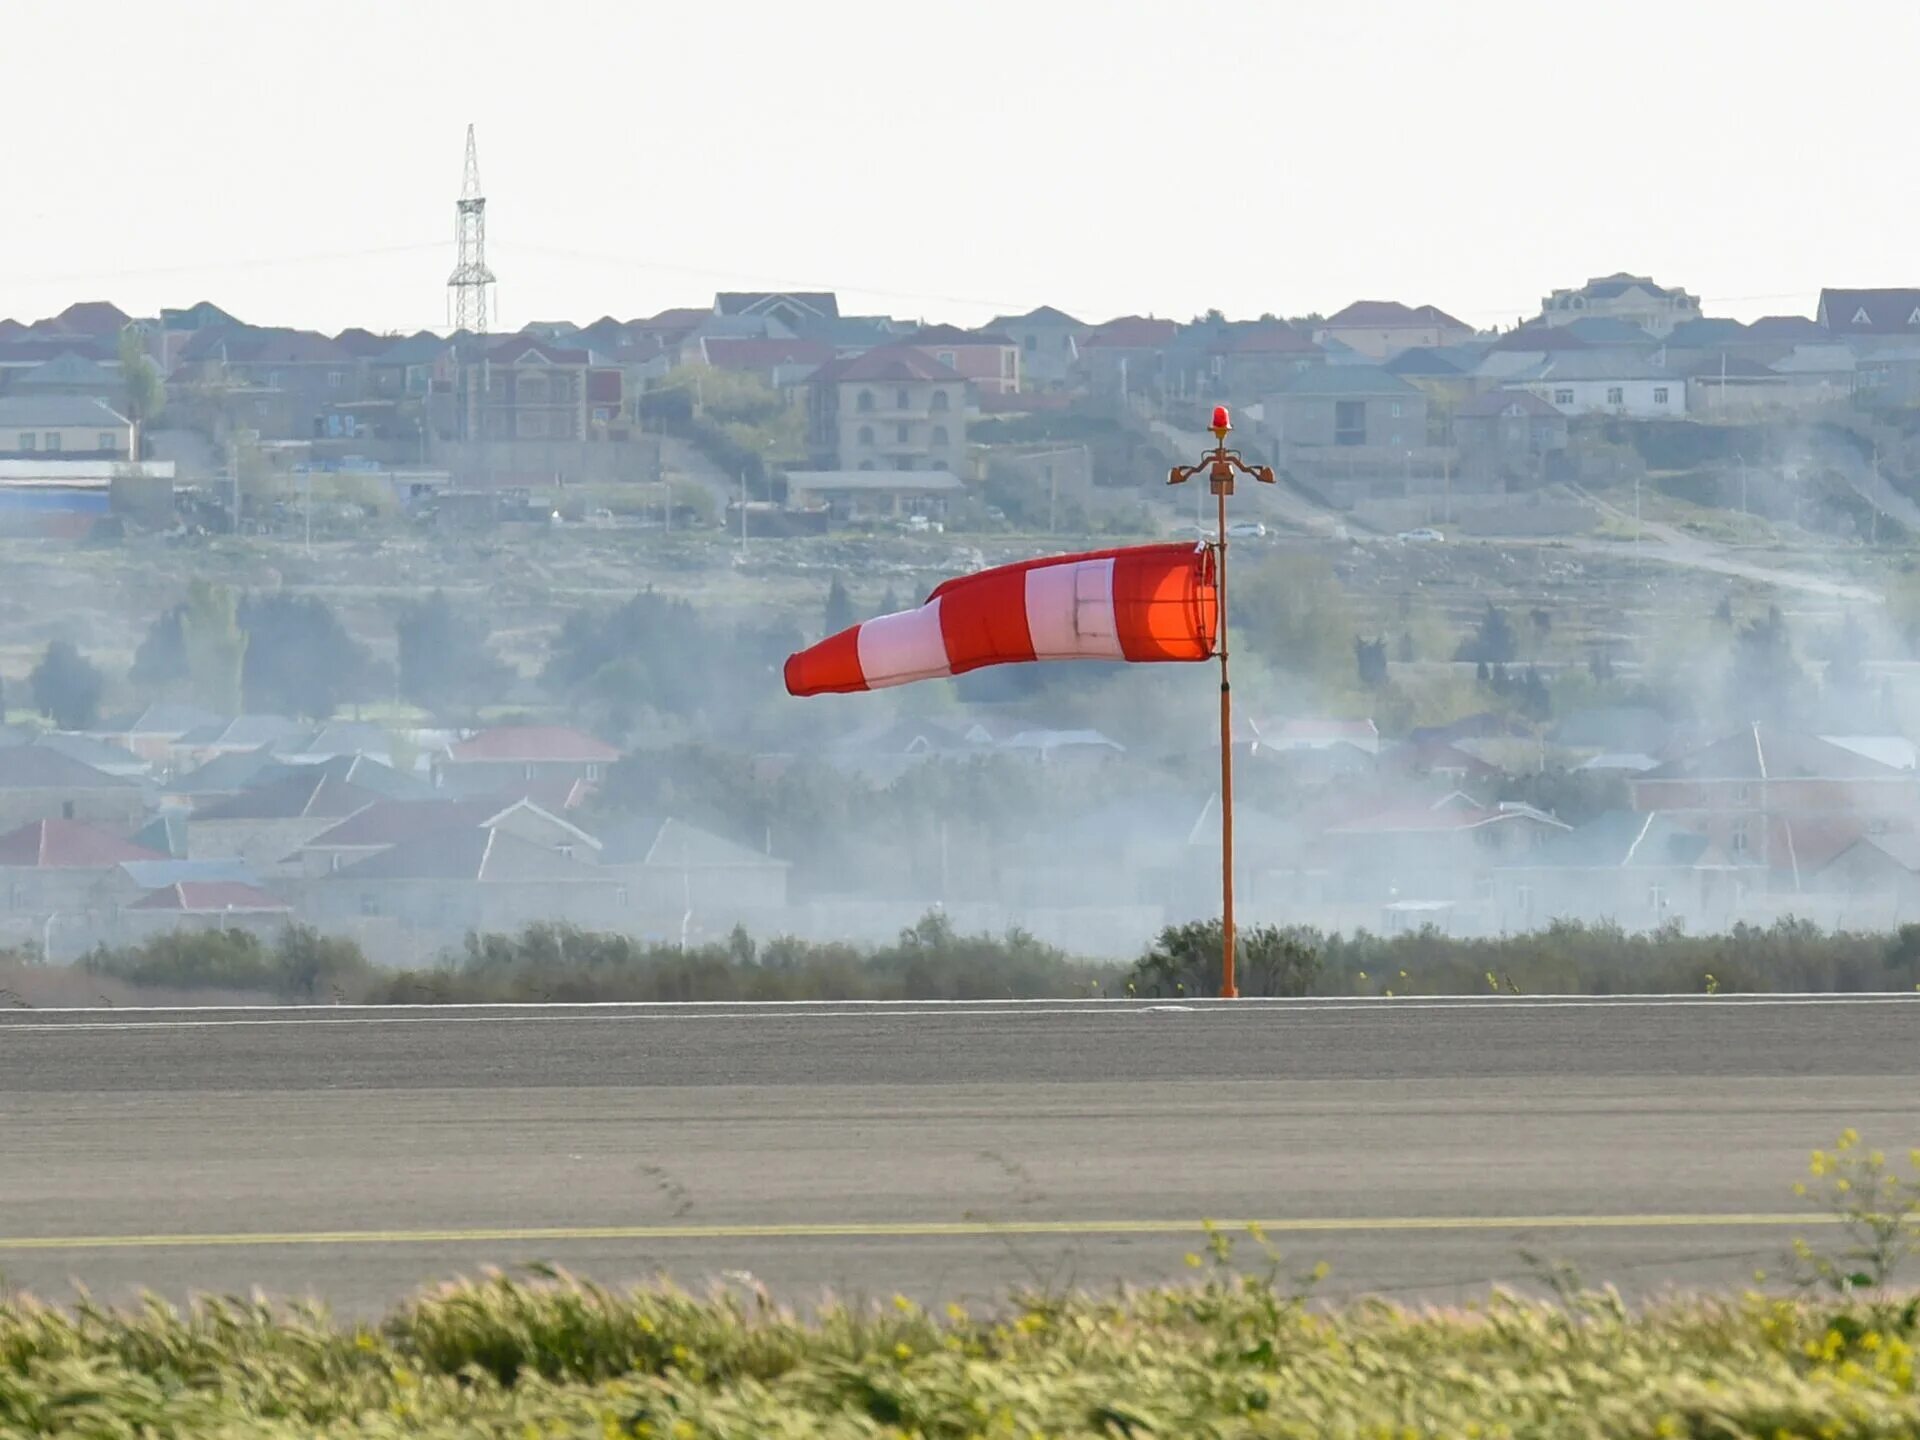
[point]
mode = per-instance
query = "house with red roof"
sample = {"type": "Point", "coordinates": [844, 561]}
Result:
{"type": "Point", "coordinates": [1442, 849]}
{"type": "Point", "coordinates": [894, 407]}
{"type": "Point", "coordinates": [267, 823]}
{"type": "Point", "coordinates": [1381, 329]}
{"type": "Point", "coordinates": [1127, 355]}
{"type": "Point", "coordinates": [988, 359]}
{"type": "Point", "coordinates": [66, 867]}
{"type": "Point", "coordinates": [206, 905]}
{"type": "Point", "coordinates": [509, 757]}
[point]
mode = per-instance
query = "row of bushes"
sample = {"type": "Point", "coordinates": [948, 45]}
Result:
{"type": "Point", "coordinates": [933, 961]}
{"type": "Point", "coordinates": [1235, 1356]}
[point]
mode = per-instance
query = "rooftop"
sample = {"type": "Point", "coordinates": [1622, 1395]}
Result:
{"type": "Point", "coordinates": [40, 766]}
{"type": "Point", "coordinates": [79, 412]}
{"type": "Point", "coordinates": [533, 744]}
{"type": "Point", "coordinates": [888, 362]}
{"type": "Point", "coordinates": [212, 897]}
{"type": "Point", "coordinates": [928, 482]}
{"type": "Point", "coordinates": [1346, 380]}
{"type": "Point", "coordinates": [67, 845]}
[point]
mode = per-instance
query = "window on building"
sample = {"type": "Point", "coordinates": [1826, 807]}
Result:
{"type": "Point", "coordinates": [866, 435]}
{"type": "Point", "coordinates": [939, 435]}
{"type": "Point", "coordinates": [903, 401]}
{"type": "Point", "coordinates": [1563, 397]}
{"type": "Point", "coordinates": [1349, 422]}
{"type": "Point", "coordinates": [369, 903]}
{"type": "Point", "coordinates": [107, 441]}
{"type": "Point", "coordinates": [1616, 395]}
{"type": "Point", "coordinates": [66, 809]}
{"type": "Point", "coordinates": [1659, 394]}
{"type": "Point", "coordinates": [335, 379]}
{"type": "Point", "coordinates": [865, 400]}
{"type": "Point", "coordinates": [53, 440]}
{"type": "Point", "coordinates": [1656, 899]}
{"type": "Point", "coordinates": [946, 357]}
{"type": "Point", "coordinates": [940, 401]}
{"type": "Point", "coordinates": [901, 433]}
{"type": "Point", "coordinates": [866, 464]}
{"type": "Point", "coordinates": [1740, 838]}
{"type": "Point", "coordinates": [1396, 409]}
{"type": "Point", "coordinates": [29, 440]}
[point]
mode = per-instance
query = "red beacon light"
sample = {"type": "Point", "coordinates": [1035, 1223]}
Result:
{"type": "Point", "coordinates": [1221, 423]}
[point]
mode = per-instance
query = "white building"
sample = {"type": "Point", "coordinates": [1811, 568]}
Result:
{"type": "Point", "coordinates": [1602, 382]}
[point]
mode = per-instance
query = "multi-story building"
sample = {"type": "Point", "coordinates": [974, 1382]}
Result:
{"type": "Point", "coordinates": [1380, 329]}
{"type": "Point", "coordinates": [73, 427]}
{"type": "Point", "coordinates": [1049, 342]}
{"type": "Point", "coordinates": [1632, 298]}
{"type": "Point", "coordinates": [892, 408]}
{"type": "Point", "coordinates": [521, 389]}
{"type": "Point", "coordinates": [987, 359]}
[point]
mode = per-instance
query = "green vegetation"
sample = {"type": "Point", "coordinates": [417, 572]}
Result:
{"type": "Point", "coordinates": [1238, 1354]}
{"type": "Point", "coordinates": [66, 686]}
{"type": "Point", "coordinates": [932, 960]}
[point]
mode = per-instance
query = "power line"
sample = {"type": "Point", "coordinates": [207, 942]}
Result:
{"type": "Point", "coordinates": [222, 266]}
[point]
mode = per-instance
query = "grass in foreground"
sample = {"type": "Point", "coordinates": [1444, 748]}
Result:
{"type": "Point", "coordinates": [1231, 1357]}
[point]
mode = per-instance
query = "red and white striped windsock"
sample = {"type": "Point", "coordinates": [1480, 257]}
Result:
{"type": "Point", "coordinates": [1145, 603]}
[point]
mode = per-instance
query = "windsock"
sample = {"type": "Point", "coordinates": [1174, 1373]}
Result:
{"type": "Point", "coordinates": [1144, 603]}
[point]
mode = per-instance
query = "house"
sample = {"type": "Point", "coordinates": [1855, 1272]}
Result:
{"type": "Point", "coordinates": [1444, 849]}
{"type": "Point", "coordinates": [1379, 329]}
{"type": "Point", "coordinates": [153, 732]}
{"type": "Point", "coordinates": [1318, 734]}
{"type": "Point", "coordinates": [241, 733]}
{"type": "Point", "coordinates": [281, 380]}
{"type": "Point", "coordinates": [205, 905]}
{"type": "Point", "coordinates": [516, 388]}
{"type": "Point", "coordinates": [853, 495]}
{"type": "Point", "coordinates": [1727, 384]}
{"type": "Point", "coordinates": [267, 824]}
{"type": "Point", "coordinates": [71, 374]}
{"type": "Point", "coordinates": [892, 408]}
{"type": "Point", "coordinates": [1048, 340]}
{"type": "Point", "coordinates": [387, 823]}
{"type": "Point", "coordinates": [66, 872]}
{"type": "Point", "coordinates": [407, 368]}
{"type": "Point", "coordinates": [1884, 868]}
{"type": "Point", "coordinates": [1635, 299]}
{"type": "Point", "coordinates": [226, 775]}
{"type": "Point", "coordinates": [1236, 361]}
{"type": "Point", "coordinates": [1869, 314]}
{"type": "Point", "coordinates": [1126, 356]}
{"type": "Point", "coordinates": [101, 755]}
{"type": "Point", "coordinates": [988, 360]}
{"type": "Point", "coordinates": [780, 364]}
{"type": "Point", "coordinates": [793, 309]}
{"type": "Point", "coordinates": [1445, 376]}
{"type": "Point", "coordinates": [1508, 435]}
{"type": "Point", "coordinates": [40, 782]}
{"type": "Point", "coordinates": [1781, 797]}
{"type": "Point", "coordinates": [1639, 870]}
{"type": "Point", "coordinates": [95, 319]}
{"type": "Point", "coordinates": [1347, 407]}
{"type": "Point", "coordinates": [491, 761]}
{"type": "Point", "coordinates": [470, 879]}
{"type": "Point", "coordinates": [670, 867]}
{"type": "Point", "coordinates": [1604, 382]}
{"type": "Point", "coordinates": [75, 427]}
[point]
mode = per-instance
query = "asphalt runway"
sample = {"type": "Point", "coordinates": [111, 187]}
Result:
{"type": "Point", "coordinates": [1423, 1148]}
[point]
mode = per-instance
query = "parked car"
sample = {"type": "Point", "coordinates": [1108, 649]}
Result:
{"type": "Point", "coordinates": [1422, 536]}
{"type": "Point", "coordinates": [1247, 530]}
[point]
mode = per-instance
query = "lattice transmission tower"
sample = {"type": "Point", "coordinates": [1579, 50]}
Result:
{"type": "Point", "coordinates": [467, 286]}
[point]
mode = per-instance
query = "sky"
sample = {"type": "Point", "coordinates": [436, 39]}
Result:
{"type": "Point", "coordinates": [297, 163]}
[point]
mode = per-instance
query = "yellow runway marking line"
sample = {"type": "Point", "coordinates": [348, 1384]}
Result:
{"type": "Point", "coordinates": [910, 1230]}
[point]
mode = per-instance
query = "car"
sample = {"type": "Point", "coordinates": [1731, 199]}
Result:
{"type": "Point", "coordinates": [1247, 530]}
{"type": "Point", "coordinates": [1422, 536]}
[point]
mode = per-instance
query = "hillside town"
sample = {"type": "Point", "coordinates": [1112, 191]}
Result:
{"type": "Point", "coordinates": [1466, 720]}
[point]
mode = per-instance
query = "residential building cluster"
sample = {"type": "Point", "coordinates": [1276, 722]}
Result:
{"type": "Point", "coordinates": [1377, 402]}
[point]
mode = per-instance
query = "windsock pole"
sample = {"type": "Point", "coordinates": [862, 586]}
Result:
{"type": "Point", "coordinates": [1221, 464]}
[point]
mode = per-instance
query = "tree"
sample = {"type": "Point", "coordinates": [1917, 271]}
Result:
{"type": "Point", "coordinates": [143, 394]}
{"type": "Point", "coordinates": [839, 608]}
{"type": "Point", "coordinates": [160, 661]}
{"type": "Point", "coordinates": [1185, 959]}
{"type": "Point", "coordinates": [1766, 682]}
{"type": "Point", "coordinates": [299, 658]}
{"type": "Point", "coordinates": [444, 659]}
{"type": "Point", "coordinates": [889, 603]}
{"type": "Point", "coordinates": [66, 686]}
{"type": "Point", "coordinates": [1370, 659]}
{"type": "Point", "coordinates": [214, 646]}
{"type": "Point", "coordinates": [1493, 641]}
{"type": "Point", "coordinates": [1845, 652]}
